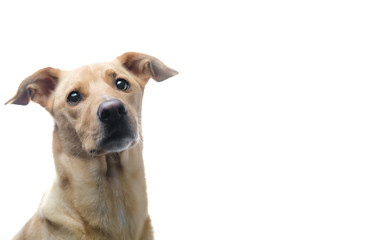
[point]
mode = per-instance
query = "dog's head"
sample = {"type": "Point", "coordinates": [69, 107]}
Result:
{"type": "Point", "coordinates": [97, 107]}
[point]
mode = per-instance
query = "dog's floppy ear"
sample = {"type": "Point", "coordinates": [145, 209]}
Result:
{"type": "Point", "coordinates": [145, 66]}
{"type": "Point", "coordinates": [36, 87]}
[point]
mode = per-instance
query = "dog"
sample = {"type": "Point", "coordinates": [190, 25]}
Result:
{"type": "Point", "coordinates": [100, 188]}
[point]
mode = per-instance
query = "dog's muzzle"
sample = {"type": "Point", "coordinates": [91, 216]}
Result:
{"type": "Point", "coordinates": [117, 134]}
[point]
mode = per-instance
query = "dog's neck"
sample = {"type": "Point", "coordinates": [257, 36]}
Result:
{"type": "Point", "coordinates": [103, 190]}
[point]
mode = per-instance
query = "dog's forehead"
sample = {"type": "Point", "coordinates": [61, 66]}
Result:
{"type": "Point", "coordinates": [92, 73]}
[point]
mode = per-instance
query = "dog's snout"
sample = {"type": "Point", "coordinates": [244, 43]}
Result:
{"type": "Point", "coordinates": [111, 110]}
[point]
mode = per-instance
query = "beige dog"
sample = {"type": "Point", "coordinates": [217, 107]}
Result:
{"type": "Point", "coordinates": [100, 190]}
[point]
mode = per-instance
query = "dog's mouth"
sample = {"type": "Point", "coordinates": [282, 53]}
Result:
{"type": "Point", "coordinates": [115, 141]}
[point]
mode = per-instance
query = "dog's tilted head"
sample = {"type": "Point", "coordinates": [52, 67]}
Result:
{"type": "Point", "coordinates": [97, 107]}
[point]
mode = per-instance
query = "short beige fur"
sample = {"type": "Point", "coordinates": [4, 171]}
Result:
{"type": "Point", "coordinates": [98, 193]}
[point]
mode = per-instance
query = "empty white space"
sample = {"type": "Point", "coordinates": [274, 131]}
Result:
{"type": "Point", "coordinates": [261, 136]}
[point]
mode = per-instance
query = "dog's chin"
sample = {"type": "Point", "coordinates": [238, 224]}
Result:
{"type": "Point", "coordinates": [117, 146]}
{"type": "Point", "coordinates": [114, 144]}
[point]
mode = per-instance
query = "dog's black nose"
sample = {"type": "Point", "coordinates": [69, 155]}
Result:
{"type": "Point", "coordinates": [111, 110]}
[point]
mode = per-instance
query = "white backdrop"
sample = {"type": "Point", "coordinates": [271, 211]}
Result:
{"type": "Point", "coordinates": [261, 136]}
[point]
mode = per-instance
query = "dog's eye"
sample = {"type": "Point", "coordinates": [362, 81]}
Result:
{"type": "Point", "coordinates": [122, 84]}
{"type": "Point", "coordinates": [74, 98]}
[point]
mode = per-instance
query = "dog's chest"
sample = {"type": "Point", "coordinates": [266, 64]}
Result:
{"type": "Point", "coordinates": [119, 198]}
{"type": "Point", "coordinates": [122, 207]}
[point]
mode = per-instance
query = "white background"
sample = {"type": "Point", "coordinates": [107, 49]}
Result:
{"type": "Point", "coordinates": [261, 136]}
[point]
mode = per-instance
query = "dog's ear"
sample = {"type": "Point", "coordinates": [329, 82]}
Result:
{"type": "Point", "coordinates": [37, 87]}
{"type": "Point", "coordinates": [146, 67]}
